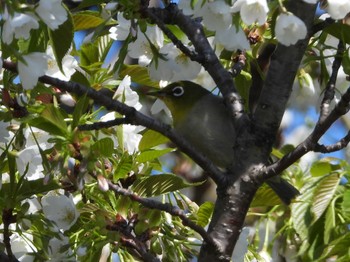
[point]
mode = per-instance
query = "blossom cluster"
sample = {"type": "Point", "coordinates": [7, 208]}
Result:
{"type": "Point", "coordinates": [216, 16]}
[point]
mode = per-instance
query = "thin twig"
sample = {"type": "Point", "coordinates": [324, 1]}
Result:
{"type": "Point", "coordinates": [106, 124]}
{"type": "Point", "coordinates": [8, 218]}
{"type": "Point", "coordinates": [153, 204]}
{"type": "Point", "coordinates": [330, 88]}
{"type": "Point", "coordinates": [342, 143]}
{"type": "Point", "coordinates": [184, 49]}
{"type": "Point", "coordinates": [322, 25]}
{"type": "Point", "coordinates": [239, 65]}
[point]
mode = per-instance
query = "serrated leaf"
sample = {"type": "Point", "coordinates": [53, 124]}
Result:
{"type": "Point", "coordinates": [265, 196]}
{"type": "Point", "coordinates": [204, 213]}
{"type": "Point", "coordinates": [151, 139]}
{"type": "Point", "coordinates": [51, 120]}
{"type": "Point", "coordinates": [124, 167]}
{"type": "Point", "coordinates": [320, 168]}
{"type": "Point", "coordinates": [324, 193]}
{"type": "Point", "coordinates": [149, 155]}
{"type": "Point", "coordinates": [61, 40]}
{"type": "Point", "coordinates": [103, 147]}
{"type": "Point", "coordinates": [79, 109]}
{"type": "Point", "coordinates": [330, 222]}
{"type": "Point", "coordinates": [159, 184]}
{"type": "Point", "coordinates": [300, 212]}
{"type": "Point", "coordinates": [138, 74]}
{"type": "Point", "coordinates": [87, 20]}
{"type": "Point", "coordinates": [337, 247]}
{"type": "Point", "coordinates": [345, 205]}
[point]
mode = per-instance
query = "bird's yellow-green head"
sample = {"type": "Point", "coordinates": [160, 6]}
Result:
{"type": "Point", "coordinates": [180, 97]}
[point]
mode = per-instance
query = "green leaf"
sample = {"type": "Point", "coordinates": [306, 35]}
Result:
{"type": "Point", "coordinates": [124, 167]}
{"type": "Point", "coordinates": [340, 31]}
{"type": "Point", "coordinates": [85, 20]}
{"type": "Point", "coordinates": [51, 120]}
{"type": "Point", "coordinates": [138, 74]}
{"type": "Point", "coordinates": [300, 212]}
{"type": "Point", "coordinates": [88, 54]}
{"type": "Point", "coordinates": [204, 213]}
{"type": "Point", "coordinates": [324, 193]}
{"type": "Point", "coordinates": [103, 147]}
{"type": "Point", "coordinates": [330, 222]}
{"type": "Point", "coordinates": [156, 185]}
{"type": "Point", "coordinates": [61, 40]}
{"type": "Point", "coordinates": [150, 155]}
{"type": "Point", "coordinates": [38, 41]}
{"type": "Point", "coordinates": [338, 247]}
{"type": "Point", "coordinates": [265, 196]}
{"type": "Point", "coordinates": [243, 82]}
{"type": "Point", "coordinates": [320, 168]}
{"type": "Point", "coordinates": [88, 3]}
{"type": "Point", "coordinates": [151, 139]}
{"type": "Point", "coordinates": [345, 205]}
{"type": "Point", "coordinates": [80, 109]}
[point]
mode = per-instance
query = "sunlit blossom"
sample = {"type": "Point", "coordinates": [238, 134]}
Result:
{"type": "Point", "coordinates": [122, 30]}
{"type": "Point", "coordinates": [141, 49]}
{"type": "Point", "coordinates": [69, 66]}
{"type": "Point", "coordinates": [19, 26]}
{"type": "Point", "coordinates": [289, 29]}
{"type": "Point", "coordinates": [252, 11]}
{"type": "Point", "coordinates": [36, 66]}
{"type": "Point", "coordinates": [176, 66]}
{"type": "Point", "coordinates": [52, 13]}
{"type": "Point", "coordinates": [29, 163]}
{"type": "Point", "coordinates": [232, 39]}
{"type": "Point", "coordinates": [338, 9]}
{"type": "Point", "coordinates": [216, 15]}
{"type": "Point", "coordinates": [126, 95]}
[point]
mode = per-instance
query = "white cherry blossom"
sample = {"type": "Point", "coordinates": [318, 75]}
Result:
{"type": "Point", "coordinates": [232, 39]}
{"type": "Point", "coordinates": [252, 11]}
{"type": "Point", "coordinates": [60, 209]}
{"type": "Point", "coordinates": [338, 9]}
{"type": "Point", "coordinates": [52, 13]}
{"type": "Point", "coordinates": [177, 65]}
{"type": "Point", "coordinates": [289, 29]}
{"type": "Point", "coordinates": [216, 15]}
{"type": "Point", "coordinates": [19, 26]}
{"type": "Point", "coordinates": [122, 30]}
{"type": "Point", "coordinates": [126, 95]}
{"type": "Point", "coordinates": [36, 66]}
{"type": "Point", "coordinates": [69, 66]}
{"type": "Point", "coordinates": [141, 48]}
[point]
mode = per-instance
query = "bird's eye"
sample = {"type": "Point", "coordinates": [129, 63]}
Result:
{"type": "Point", "coordinates": [178, 91]}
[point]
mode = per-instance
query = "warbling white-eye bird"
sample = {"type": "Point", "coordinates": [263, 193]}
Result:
{"type": "Point", "coordinates": [203, 120]}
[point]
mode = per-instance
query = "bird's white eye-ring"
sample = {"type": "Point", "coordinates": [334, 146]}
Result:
{"type": "Point", "coordinates": [178, 91]}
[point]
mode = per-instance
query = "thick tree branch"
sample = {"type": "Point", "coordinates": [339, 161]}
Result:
{"type": "Point", "coordinates": [134, 117]}
{"type": "Point", "coordinates": [279, 82]}
{"type": "Point", "coordinates": [208, 59]}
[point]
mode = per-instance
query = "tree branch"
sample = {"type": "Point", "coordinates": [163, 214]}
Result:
{"type": "Point", "coordinates": [134, 117]}
{"type": "Point", "coordinates": [311, 142]}
{"type": "Point", "coordinates": [330, 88]}
{"type": "Point", "coordinates": [153, 204]}
{"type": "Point", "coordinates": [100, 125]}
{"type": "Point", "coordinates": [342, 143]}
{"type": "Point", "coordinates": [195, 33]}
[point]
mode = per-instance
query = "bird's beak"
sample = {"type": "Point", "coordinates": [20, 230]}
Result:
{"type": "Point", "coordinates": [157, 93]}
